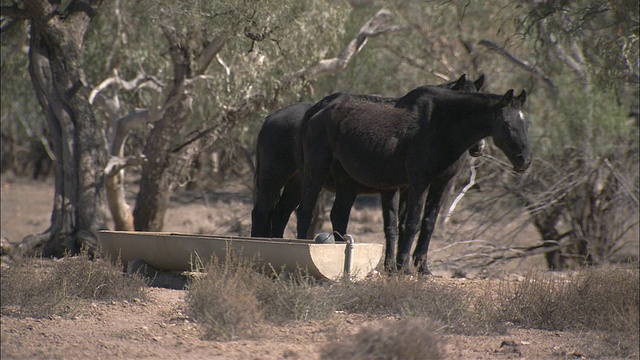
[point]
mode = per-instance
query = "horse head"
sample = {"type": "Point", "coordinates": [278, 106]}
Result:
{"type": "Point", "coordinates": [510, 130]}
{"type": "Point", "coordinates": [462, 84]}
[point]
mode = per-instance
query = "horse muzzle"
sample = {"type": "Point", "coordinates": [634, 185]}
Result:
{"type": "Point", "coordinates": [521, 163]}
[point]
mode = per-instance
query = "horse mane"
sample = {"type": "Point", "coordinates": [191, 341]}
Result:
{"type": "Point", "coordinates": [420, 94]}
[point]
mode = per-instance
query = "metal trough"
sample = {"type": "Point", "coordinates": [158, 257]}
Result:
{"type": "Point", "coordinates": [177, 252]}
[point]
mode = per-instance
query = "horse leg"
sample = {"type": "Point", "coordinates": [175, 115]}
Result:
{"type": "Point", "coordinates": [288, 202]}
{"type": "Point", "coordinates": [389, 200]}
{"type": "Point", "coordinates": [438, 191]}
{"type": "Point", "coordinates": [315, 172]}
{"type": "Point", "coordinates": [310, 190]}
{"type": "Point", "coordinates": [341, 209]}
{"type": "Point", "coordinates": [402, 211]}
{"type": "Point", "coordinates": [267, 194]}
{"type": "Point", "coordinates": [415, 203]}
{"type": "Point", "coordinates": [346, 190]}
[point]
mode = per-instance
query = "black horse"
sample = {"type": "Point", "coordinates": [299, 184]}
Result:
{"type": "Point", "coordinates": [416, 143]}
{"type": "Point", "coordinates": [277, 187]}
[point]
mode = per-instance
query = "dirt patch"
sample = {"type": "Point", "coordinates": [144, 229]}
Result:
{"type": "Point", "coordinates": [159, 328]}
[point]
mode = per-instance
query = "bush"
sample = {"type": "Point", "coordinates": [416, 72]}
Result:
{"type": "Point", "coordinates": [231, 298]}
{"type": "Point", "coordinates": [405, 339]}
{"type": "Point", "coordinates": [596, 299]}
{"type": "Point", "coordinates": [223, 301]}
{"type": "Point", "coordinates": [604, 301]}
{"type": "Point", "coordinates": [401, 295]}
{"type": "Point", "coordinates": [39, 288]}
{"type": "Point", "coordinates": [295, 296]}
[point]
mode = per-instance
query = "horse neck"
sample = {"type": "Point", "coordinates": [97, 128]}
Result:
{"type": "Point", "coordinates": [466, 119]}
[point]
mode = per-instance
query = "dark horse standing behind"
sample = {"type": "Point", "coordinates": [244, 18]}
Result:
{"type": "Point", "coordinates": [277, 188]}
{"type": "Point", "coordinates": [409, 144]}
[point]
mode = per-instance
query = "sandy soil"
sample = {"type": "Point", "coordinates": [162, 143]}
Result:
{"type": "Point", "coordinates": [158, 329]}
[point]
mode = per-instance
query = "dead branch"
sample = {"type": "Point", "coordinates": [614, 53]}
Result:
{"type": "Point", "coordinates": [487, 254]}
{"type": "Point", "coordinates": [626, 185]}
{"type": "Point", "coordinates": [117, 163]}
{"type": "Point", "coordinates": [472, 182]}
{"type": "Point", "coordinates": [114, 186]}
{"type": "Point", "coordinates": [139, 82]}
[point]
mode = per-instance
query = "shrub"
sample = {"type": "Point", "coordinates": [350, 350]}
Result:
{"type": "Point", "coordinates": [231, 298]}
{"type": "Point", "coordinates": [603, 301]}
{"type": "Point", "coordinates": [405, 339]}
{"type": "Point", "coordinates": [223, 301]}
{"type": "Point", "coordinates": [295, 296]}
{"type": "Point", "coordinates": [596, 299]}
{"type": "Point", "coordinates": [455, 308]}
{"type": "Point", "coordinates": [40, 288]}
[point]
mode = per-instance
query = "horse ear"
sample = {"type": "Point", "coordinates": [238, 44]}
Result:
{"type": "Point", "coordinates": [522, 97]}
{"type": "Point", "coordinates": [506, 99]}
{"type": "Point", "coordinates": [479, 83]}
{"type": "Point", "coordinates": [460, 83]}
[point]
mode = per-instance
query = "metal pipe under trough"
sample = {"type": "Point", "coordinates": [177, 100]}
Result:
{"type": "Point", "coordinates": [177, 251]}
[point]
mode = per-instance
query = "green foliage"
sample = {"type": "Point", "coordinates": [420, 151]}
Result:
{"type": "Point", "coordinates": [606, 32]}
{"type": "Point", "coordinates": [591, 122]}
{"type": "Point", "coordinates": [21, 118]}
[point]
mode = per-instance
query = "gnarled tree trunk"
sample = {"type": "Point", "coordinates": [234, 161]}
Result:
{"type": "Point", "coordinates": [55, 66]}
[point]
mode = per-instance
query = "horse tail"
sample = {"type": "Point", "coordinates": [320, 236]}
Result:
{"type": "Point", "coordinates": [256, 173]}
{"type": "Point", "coordinates": [256, 183]}
{"type": "Point", "coordinates": [320, 105]}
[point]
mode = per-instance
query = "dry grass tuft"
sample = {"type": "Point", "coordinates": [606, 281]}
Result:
{"type": "Point", "coordinates": [602, 300]}
{"type": "Point", "coordinates": [224, 300]}
{"type": "Point", "coordinates": [594, 299]}
{"type": "Point", "coordinates": [456, 309]}
{"type": "Point", "coordinates": [295, 296]}
{"type": "Point", "coordinates": [404, 339]}
{"type": "Point", "coordinates": [232, 298]}
{"type": "Point", "coordinates": [40, 287]}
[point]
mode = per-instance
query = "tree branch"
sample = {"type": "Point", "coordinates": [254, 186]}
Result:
{"type": "Point", "coordinates": [523, 65]}
{"type": "Point", "coordinates": [139, 82]}
{"type": "Point", "coordinates": [472, 182]}
{"type": "Point", "coordinates": [210, 51]}
{"type": "Point", "coordinates": [377, 25]}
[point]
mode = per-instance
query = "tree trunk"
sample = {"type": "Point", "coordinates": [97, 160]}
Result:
{"type": "Point", "coordinates": [157, 181]}
{"type": "Point", "coordinates": [55, 66]}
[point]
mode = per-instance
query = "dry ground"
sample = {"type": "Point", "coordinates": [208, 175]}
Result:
{"type": "Point", "coordinates": [158, 329]}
